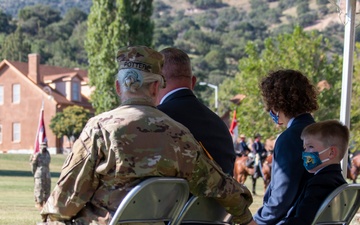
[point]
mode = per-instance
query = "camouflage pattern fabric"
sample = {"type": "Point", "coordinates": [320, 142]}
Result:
{"type": "Point", "coordinates": [143, 59]}
{"type": "Point", "coordinates": [120, 148]}
{"type": "Point", "coordinates": [40, 168]}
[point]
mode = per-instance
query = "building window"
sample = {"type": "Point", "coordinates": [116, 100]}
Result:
{"type": "Point", "coordinates": [16, 93]}
{"type": "Point", "coordinates": [0, 133]}
{"type": "Point", "coordinates": [1, 95]}
{"type": "Point", "coordinates": [16, 132]}
{"type": "Point", "coordinates": [75, 92]}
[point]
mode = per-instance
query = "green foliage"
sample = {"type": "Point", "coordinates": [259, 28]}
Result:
{"type": "Point", "coordinates": [137, 14]}
{"type": "Point", "coordinates": [69, 122]}
{"type": "Point", "coordinates": [303, 8]}
{"type": "Point", "coordinates": [355, 109]}
{"type": "Point", "coordinates": [15, 47]}
{"type": "Point", "coordinates": [13, 7]}
{"type": "Point", "coordinates": [109, 29]}
{"type": "Point", "coordinates": [306, 52]}
{"type": "Point", "coordinates": [32, 18]}
{"type": "Point", "coordinates": [204, 4]}
{"type": "Point", "coordinates": [5, 23]}
{"type": "Point", "coordinates": [74, 17]}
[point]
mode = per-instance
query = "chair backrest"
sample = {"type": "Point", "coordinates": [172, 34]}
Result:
{"type": "Point", "coordinates": [201, 210]}
{"type": "Point", "coordinates": [340, 206]}
{"type": "Point", "coordinates": [153, 200]}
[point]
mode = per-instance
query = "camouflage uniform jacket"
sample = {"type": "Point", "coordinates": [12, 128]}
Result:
{"type": "Point", "coordinates": [40, 164]}
{"type": "Point", "coordinates": [118, 149]}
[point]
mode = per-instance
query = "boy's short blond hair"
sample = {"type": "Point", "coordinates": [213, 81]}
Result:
{"type": "Point", "coordinates": [330, 133]}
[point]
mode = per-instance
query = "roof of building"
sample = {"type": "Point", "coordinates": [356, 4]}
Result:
{"type": "Point", "coordinates": [53, 74]}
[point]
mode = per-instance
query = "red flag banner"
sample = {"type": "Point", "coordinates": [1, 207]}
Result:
{"type": "Point", "coordinates": [41, 134]}
{"type": "Point", "coordinates": [234, 127]}
{"type": "Point", "coordinates": [233, 124]}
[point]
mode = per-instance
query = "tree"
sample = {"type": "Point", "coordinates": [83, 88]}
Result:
{"type": "Point", "coordinates": [5, 25]}
{"type": "Point", "coordinates": [69, 122]}
{"type": "Point", "coordinates": [33, 18]}
{"type": "Point", "coordinates": [109, 28]}
{"type": "Point", "coordinates": [355, 109]}
{"type": "Point", "coordinates": [16, 47]}
{"type": "Point", "coordinates": [300, 50]}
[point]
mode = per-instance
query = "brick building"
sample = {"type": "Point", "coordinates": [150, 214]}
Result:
{"type": "Point", "coordinates": [24, 87]}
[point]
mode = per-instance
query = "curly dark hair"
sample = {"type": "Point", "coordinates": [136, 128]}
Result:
{"type": "Point", "coordinates": [288, 91]}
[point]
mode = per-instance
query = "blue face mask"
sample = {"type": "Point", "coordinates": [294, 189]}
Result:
{"type": "Point", "coordinates": [274, 117]}
{"type": "Point", "coordinates": [312, 159]}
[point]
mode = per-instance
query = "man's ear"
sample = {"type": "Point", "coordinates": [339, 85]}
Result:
{"type": "Point", "coordinates": [154, 89]}
{"type": "Point", "coordinates": [333, 152]}
{"type": "Point", "coordinates": [193, 82]}
{"type": "Point", "coordinates": [118, 89]}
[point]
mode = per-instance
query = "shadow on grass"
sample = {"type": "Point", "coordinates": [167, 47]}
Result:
{"type": "Point", "coordinates": [20, 173]}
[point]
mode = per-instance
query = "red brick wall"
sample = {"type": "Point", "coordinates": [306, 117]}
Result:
{"type": "Point", "coordinates": [26, 113]}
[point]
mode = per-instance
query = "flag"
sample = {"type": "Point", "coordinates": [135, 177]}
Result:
{"type": "Point", "coordinates": [40, 134]}
{"type": "Point", "coordinates": [234, 127]}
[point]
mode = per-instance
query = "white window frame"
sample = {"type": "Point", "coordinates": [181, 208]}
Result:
{"type": "Point", "coordinates": [1, 94]}
{"type": "Point", "coordinates": [16, 134]}
{"type": "Point", "coordinates": [16, 90]}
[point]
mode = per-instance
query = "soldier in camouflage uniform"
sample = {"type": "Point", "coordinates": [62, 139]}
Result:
{"type": "Point", "coordinates": [40, 169]}
{"type": "Point", "coordinates": [122, 147]}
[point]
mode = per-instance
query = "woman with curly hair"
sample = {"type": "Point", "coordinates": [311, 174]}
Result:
{"type": "Point", "coordinates": [289, 97]}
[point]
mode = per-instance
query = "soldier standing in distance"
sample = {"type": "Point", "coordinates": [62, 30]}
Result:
{"type": "Point", "coordinates": [122, 147]}
{"type": "Point", "coordinates": [40, 169]}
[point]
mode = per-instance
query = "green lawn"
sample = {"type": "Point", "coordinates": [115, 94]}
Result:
{"type": "Point", "coordinates": [16, 185]}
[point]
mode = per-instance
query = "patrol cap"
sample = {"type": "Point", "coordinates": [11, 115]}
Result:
{"type": "Point", "coordinates": [141, 58]}
{"type": "Point", "coordinates": [43, 144]}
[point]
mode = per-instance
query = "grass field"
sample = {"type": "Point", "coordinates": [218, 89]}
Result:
{"type": "Point", "coordinates": [17, 186]}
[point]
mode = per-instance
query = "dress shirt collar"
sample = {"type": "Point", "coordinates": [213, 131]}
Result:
{"type": "Point", "coordinates": [170, 92]}
{"type": "Point", "coordinates": [290, 122]}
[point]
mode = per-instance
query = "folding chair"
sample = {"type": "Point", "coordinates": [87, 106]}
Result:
{"type": "Point", "coordinates": [340, 206]}
{"type": "Point", "coordinates": [155, 199]}
{"type": "Point", "coordinates": [201, 210]}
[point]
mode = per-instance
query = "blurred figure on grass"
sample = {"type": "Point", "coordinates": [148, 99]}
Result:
{"type": "Point", "coordinates": [40, 162]}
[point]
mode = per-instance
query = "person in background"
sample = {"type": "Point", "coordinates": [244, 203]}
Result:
{"type": "Point", "coordinates": [289, 97]}
{"type": "Point", "coordinates": [122, 147]}
{"type": "Point", "coordinates": [325, 144]}
{"type": "Point", "coordinates": [241, 147]}
{"type": "Point", "coordinates": [179, 102]}
{"type": "Point", "coordinates": [42, 179]}
{"type": "Point", "coordinates": [260, 154]}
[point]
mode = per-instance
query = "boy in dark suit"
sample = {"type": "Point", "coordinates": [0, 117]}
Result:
{"type": "Point", "coordinates": [325, 144]}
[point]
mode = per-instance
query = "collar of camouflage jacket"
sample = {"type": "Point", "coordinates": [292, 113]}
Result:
{"type": "Point", "coordinates": [138, 101]}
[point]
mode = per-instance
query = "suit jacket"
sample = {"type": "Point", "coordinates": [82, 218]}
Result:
{"type": "Point", "coordinates": [204, 124]}
{"type": "Point", "coordinates": [288, 175]}
{"type": "Point", "coordinates": [313, 195]}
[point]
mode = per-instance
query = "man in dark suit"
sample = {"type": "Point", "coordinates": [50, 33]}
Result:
{"type": "Point", "coordinates": [179, 102]}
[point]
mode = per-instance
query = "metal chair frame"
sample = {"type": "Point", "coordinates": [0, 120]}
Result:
{"type": "Point", "coordinates": [156, 199]}
{"type": "Point", "coordinates": [202, 210]}
{"type": "Point", "coordinates": [340, 206]}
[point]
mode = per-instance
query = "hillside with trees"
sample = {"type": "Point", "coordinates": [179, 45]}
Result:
{"type": "Point", "coordinates": [232, 44]}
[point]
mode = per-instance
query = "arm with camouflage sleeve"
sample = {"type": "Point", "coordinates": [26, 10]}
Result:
{"type": "Point", "coordinates": [34, 162]}
{"type": "Point", "coordinates": [77, 181]}
{"type": "Point", "coordinates": [209, 180]}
